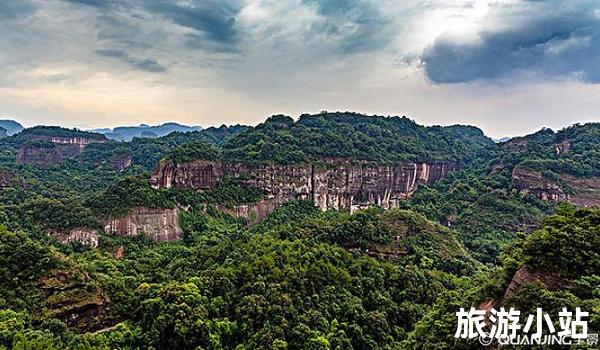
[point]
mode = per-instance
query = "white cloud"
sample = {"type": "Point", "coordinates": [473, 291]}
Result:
{"type": "Point", "coordinates": [100, 63]}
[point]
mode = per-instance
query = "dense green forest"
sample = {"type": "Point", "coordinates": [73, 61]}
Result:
{"type": "Point", "coordinates": [574, 150]}
{"type": "Point", "coordinates": [349, 135]}
{"type": "Point", "coordinates": [301, 278]}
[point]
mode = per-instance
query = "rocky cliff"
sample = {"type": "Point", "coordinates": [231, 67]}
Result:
{"type": "Point", "coordinates": [578, 191]}
{"type": "Point", "coordinates": [72, 296]}
{"type": "Point", "coordinates": [121, 162]}
{"type": "Point", "coordinates": [84, 235]}
{"type": "Point", "coordinates": [533, 182]}
{"type": "Point", "coordinates": [157, 224]}
{"type": "Point", "coordinates": [330, 184]}
{"type": "Point", "coordinates": [45, 154]}
{"type": "Point", "coordinates": [46, 149]}
{"type": "Point", "coordinates": [6, 178]}
{"type": "Point", "coordinates": [526, 275]}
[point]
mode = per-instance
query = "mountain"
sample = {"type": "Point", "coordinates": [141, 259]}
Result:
{"type": "Point", "coordinates": [127, 133]}
{"type": "Point", "coordinates": [350, 135]}
{"type": "Point", "coordinates": [331, 231]}
{"type": "Point", "coordinates": [12, 127]}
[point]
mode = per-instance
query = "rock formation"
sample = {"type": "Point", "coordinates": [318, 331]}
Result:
{"type": "Point", "coordinates": [533, 182]}
{"type": "Point", "coordinates": [42, 149]}
{"type": "Point", "coordinates": [72, 297]}
{"type": "Point", "coordinates": [551, 280]}
{"type": "Point", "coordinates": [583, 192]}
{"type": "Point", "coordinates": [157, 224]}
{"type": "Point", "coordinates": [121, 162]}
{"type": "Point", "coordinates": [330, 184]}
{"type": "Point", "coordinates": [84, 235]}
{"type": "Point", "coordinates": [6, 178]}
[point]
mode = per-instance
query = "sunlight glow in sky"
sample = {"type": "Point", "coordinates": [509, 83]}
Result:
{"type": "Point", "coordinates": [507, 66]}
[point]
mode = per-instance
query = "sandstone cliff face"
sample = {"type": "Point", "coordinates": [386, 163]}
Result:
{"type": "Point", "coordinates": [84, 235]}
{"type": "Point", "coordinates": [62, 148]}
{"type": "Point", "coordinates": [332, 184]}
{"type": "Point", "coordinates": [6, 178]}
{"type": "Point", "coordinates": [583, 192]}
{"type": "Point", "coordinates": [551, 280]}
{"type": "Point", "coordinates": [121, 162]}
{"type": "Point", "coordinates": [37, 155]}
{"type": "Point", "coordinates": [72, 298]}
{"type": "Point", "coordinates": [252, 212]}
{"type": "Point", "coordinates": [532, 182]}
{"type": "Point", "coordinates": [198, 175]}
{"type": "Point", "coordinates": [157, 224]}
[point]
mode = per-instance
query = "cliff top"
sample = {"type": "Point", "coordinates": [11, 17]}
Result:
{"type": "Point", "coordinates": [55, 131]}
{"type": "Point", "coordinates": [282, 140]}
{"type": "Point", "coordinates": [573, 150]}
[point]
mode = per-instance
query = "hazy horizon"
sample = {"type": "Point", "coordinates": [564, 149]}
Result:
{"type": "Point", "coordinates": [509, 67]}
{"type": "Point", "coordinates": [88, 128]}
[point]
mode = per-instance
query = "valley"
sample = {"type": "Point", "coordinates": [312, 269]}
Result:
{"type": "Point", "coordinates": [334, 230]}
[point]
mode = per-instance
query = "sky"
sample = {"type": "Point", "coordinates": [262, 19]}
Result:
{"type": "Point", "coordinates": [509, 67]}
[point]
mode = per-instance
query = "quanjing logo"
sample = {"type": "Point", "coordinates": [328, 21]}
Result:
{"type": "Point", "coordinates": [506, 329]}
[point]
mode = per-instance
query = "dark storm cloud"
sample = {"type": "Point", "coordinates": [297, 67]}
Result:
{"type": "Point", "coordinates": [146, 65]}
{"type": "Point", "coordinates": [111, 53]}
{"type": "Point", "coordinates": [358, 24]}
{"type": "Point", "coordinates": [216, 19]}
{"type": "Point", "coordinates": [556, 39]}
{"type": "Point", "coordinates": [97, 3]}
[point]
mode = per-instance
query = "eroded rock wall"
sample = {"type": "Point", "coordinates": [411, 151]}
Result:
{"type": "Point", "coordinates": [42, 155]}
{"type": "Point", "coordinates": [533, 182]}
{"type": "Point", "coordinates": [156, 223]}
{"type": "Point", "coordinates": [84, 235]}
{"type": "Point", "coordinates": [330, 184]}
{"type": "Point", "coordinates": [583, 192]}
{"type": "Point", "coordinates": [62, 148]}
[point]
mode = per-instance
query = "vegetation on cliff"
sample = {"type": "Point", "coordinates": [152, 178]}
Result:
{"type": "Point", "coordinates": [280, 139]}
{"type": "Point", "coordinates": [574, 150]}
{"type": "Point", "coordinates": [302, 278]}
{"type": "Point", "coordinates": [562, 257]}
{"type": "Point", "coordinates": [56, 131]}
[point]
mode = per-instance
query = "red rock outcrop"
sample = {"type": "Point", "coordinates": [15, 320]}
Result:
{"type": "Point", "coordinates": [6, 178]}
{"type": "Point", "coordinates": [586, 191]}
{"type": "Point", "coordinates": [252, 212]}
{"type": "Point", "coordinates": [121, 162]}
{"type": "Point", "coordinates": [533, 182]}
{"type": "Point", "coordinates": [330, 184]}
{"type": "Point", "coordinates": [47, 149]}
{"type": "Point", "coordinates": [84, 235]}
{"type": "Point", "coordinates": [583, 192]}
{"type": "Point", "coordinates": [157, 224]}
{"type": "Point", "coordinates": [551, 280]}
{"type": "Point", "coordinates": [45, 154]}
{"type": "Point", "coordinates": [71, 297]}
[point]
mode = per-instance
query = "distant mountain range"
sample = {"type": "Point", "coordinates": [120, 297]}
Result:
{"type": "Point", "coordinates": [127, 133]}
{"type": "Point", "coordinates": [120, 133]}
{"type": "Point", "coordinates": [11, 126]}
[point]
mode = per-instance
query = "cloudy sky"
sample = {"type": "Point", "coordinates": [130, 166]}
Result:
{"type": "Point", "coordinates": [507, 66]}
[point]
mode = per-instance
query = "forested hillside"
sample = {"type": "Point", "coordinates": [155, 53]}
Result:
{"type": "Point", "coordinates": [95, 255]}
{"type": "Point", "coordinates": [349, 135]}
